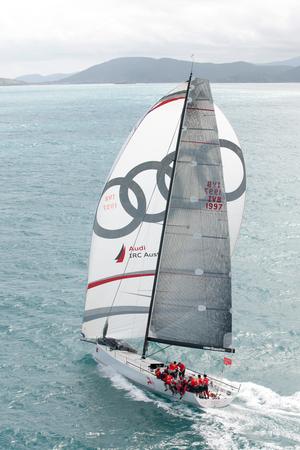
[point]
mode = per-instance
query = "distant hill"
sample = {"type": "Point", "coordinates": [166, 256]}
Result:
{"type": "Point", "coordinates": [291, 75]}
{"type": "Point", "coordinates": [150, 70]}
{"type": "Point", "coordinates": [10, 82]}
{"type": "Point", "coordinates": [294, 62]}
{"type": "Point", "coordinates": [37, 78]}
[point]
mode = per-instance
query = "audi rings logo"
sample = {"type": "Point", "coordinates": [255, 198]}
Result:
{"type": "Point", "coordinates": [139, 213]}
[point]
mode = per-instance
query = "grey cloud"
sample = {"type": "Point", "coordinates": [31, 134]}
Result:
{"type": "Point", "coordinates": [69, 35]}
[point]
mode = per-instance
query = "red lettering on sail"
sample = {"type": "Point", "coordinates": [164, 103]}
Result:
{"type": "Point", "coordinates": [109, 202]}
{"type": "Point", "coordinates": [214, 197]}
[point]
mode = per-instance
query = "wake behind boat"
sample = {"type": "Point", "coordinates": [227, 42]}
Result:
{"type": "Point", "coordinates": [164, 232]}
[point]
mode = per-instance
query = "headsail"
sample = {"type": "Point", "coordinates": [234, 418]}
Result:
{"type": "Point", "coordinates": [192, 293]}
{"type": "Point", "coordinates": [128, 225]}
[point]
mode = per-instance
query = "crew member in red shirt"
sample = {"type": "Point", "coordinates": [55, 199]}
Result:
{"type": "Point", "coordinates": [158, 373]}
{"type": "Point", "coordinates": [173, 369]}
{"type": "Point", "coordinates": [181, 368]}
{"type": "Point", "coordinates": [193, 384]}
{"type": "Point", "coordinates": [168, 380]}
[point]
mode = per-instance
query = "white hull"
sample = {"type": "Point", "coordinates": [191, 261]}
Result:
{"type": "Point", "coordinates": [136, 369]}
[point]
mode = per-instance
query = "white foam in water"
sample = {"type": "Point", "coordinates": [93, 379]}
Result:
{"type": "Point", "coordinates": [119, 382]}
{"type": "Point", "coordinates": [252, 421]}
{"type": "Point", "coordinates": [262, 398]}
{"type": "Point", "coordinates": [137, 394]}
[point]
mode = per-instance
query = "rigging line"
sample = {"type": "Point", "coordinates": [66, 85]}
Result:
{"type": "Point", "coordinates": [139, 229]}
{"type": "Point", "coordinates": [158, 351]}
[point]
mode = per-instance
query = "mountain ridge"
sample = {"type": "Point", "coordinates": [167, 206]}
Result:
{"type": "Point", "coordinates": [11, 82]}
{"type": "Point", "coordinates": [168, 70]}
{"type": "Point", "coordinates": [38, 78]}
{"type": "Point", "coordinates": [141, 69]}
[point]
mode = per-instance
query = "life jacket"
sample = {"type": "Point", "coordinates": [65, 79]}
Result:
{"type": "Point", "coordinates": [172, 367]}
{"type": "Point", "coordinates": [200, 381]}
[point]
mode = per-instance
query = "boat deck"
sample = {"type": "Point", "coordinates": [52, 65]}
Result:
{"type": "Point", "coordinates": [222, 390]}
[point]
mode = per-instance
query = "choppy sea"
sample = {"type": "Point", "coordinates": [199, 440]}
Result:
{"type": "Point", "coordinates": [57, 146]}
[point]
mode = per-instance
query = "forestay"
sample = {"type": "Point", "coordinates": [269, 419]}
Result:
{"type": "Point", "coordinates": [192, 295]}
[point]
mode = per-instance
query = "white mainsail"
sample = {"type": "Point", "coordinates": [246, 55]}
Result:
{"type": "Point", "coordinates": [130, 214]}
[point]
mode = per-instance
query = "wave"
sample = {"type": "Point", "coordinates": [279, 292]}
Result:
{"type": "Point", "coordinates": [260, 397]}
{"type": "Point", "coordinates": [259, 418]}
{"type": "Point", "coordinates": [140, 395]}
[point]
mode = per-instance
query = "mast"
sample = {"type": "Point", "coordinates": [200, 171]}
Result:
{"type": "Point", "coordinates": [166, 214]}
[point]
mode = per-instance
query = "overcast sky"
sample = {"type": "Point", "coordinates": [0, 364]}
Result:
{"type": "Point", "coordinates": [48, 36]}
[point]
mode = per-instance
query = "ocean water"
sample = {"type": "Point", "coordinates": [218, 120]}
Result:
{"type": "Point", "coordinates": [57, 145]}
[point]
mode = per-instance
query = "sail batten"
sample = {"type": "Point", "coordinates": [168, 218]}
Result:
{"type": "Point", "coordinates": [192, 298]}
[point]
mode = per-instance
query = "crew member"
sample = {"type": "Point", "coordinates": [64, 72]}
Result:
{"type": "Point", "coordinates": [173, 369]}
{"type": "Point", "coordinates": [200, 387]}
{"type": "Point", "coordinates": [193, 384]}
{"type": "Point", "coordinates": [158, 373]}
{"type": "Point", "coordinates": [205, 386]}
{"type": "Point", "coordinates": [181, 368]}
{"type": "Point", "coordinates": [183, 387]}
{"type": "Point", "coordinates": [164, 375]}
{"type": "Point", "coordinates": [168, 380]}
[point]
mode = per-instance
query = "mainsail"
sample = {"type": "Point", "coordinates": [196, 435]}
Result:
{"type": "Point", "coordinates": [191, 303]}
{"type": "Point", "coordinates": [131, 211]}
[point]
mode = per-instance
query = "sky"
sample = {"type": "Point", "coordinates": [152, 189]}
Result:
{"type": "Point", "coordinates": [50, 36]}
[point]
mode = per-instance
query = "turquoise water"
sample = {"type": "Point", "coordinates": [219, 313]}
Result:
{"type": "Point", "coordinates": [57, 145]}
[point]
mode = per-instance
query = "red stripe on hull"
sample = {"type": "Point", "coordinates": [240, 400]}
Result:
{"type": "Point", "coordinates": [118, 277]}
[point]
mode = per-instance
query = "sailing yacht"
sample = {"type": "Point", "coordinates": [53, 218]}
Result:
{"type": "Point", "coordinates": [164, 232]}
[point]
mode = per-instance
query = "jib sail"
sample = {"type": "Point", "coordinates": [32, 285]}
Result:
{"type": "Point", "coordinates": [128, 225]}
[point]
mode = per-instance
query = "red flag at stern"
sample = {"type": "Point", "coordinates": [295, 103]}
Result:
{"type": "Point", "coordinates": [227, 361]}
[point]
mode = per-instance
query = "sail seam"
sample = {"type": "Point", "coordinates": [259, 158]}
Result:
{"type": "Point", "coordinates": [200, 142]}
{"type": "Point", "coordinates": [98, 313]}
